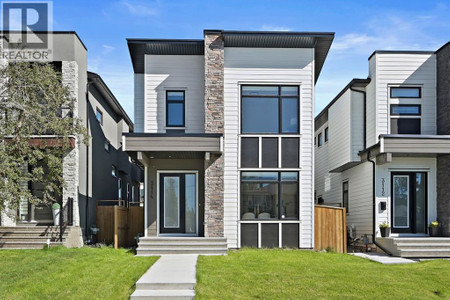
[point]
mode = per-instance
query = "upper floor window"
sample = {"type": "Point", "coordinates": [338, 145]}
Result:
{"type": "Point", "coordinates": [406, 92]}
{"type": "Point", "coordinates": [405, 119]}
{"type": "Point", "coordinates": [114, 171]}
{"type": "Point", "coordinates": [326, 134]}
{"type": "Point", "coordinates": [175, 108]}
{"type": "Point", "coordinates": [319, 140]}
{"type": "Point", "coordinates": [345, 195]}
{"type": "Point", "coordinates": [107, 146]}
{"type": "Point", "coordinates": [270, 109]}
{"type": "Point", "coordinates": [99, 116]}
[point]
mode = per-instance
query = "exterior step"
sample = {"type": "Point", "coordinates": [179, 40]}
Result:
{"type": "Point", "coordinates": [26, 245]}
{"type": "Point", "coordinates": [40, 239]}
{"type": "Point", "coordinates": [423, 246]}
{"type": "Point", "coordinates": [165, 286]}
{"type": "Point", "coordinates": [176, 240]}
{"type": "Point", "coordinates": [197, 245]}
{"type": "Point", "coordinates": [421, 240]}
{"type": "Point", "coordinates": [425, 253]}
{"type": "Point", "coordinates": [163, 294]}
{"type": "Point", "coordinates": [180, 250]}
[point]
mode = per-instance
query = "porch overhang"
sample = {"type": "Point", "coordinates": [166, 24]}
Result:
{"type": "Point", "coordinates": [406, 145]}
{"type": "Point", "coordinates": [172, 145]}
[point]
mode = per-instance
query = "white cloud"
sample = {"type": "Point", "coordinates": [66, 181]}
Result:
{"type": "Point", "coordinates": [274, 28]}
{"type": "Point", "coordinates": [107, 49]}
{"type": "Point", "coordinates": [139, 9]}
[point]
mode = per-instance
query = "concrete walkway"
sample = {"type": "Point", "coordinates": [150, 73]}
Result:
{"type": "Point", "coordinates": [172, 277]}
{"type": "Point", "coordinates": [383, 258]}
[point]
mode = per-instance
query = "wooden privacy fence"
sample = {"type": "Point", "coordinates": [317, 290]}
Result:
{"type": "Point", "coordinates": [119, 225]}
{"type": "Point", "coordinates": [330, 229]}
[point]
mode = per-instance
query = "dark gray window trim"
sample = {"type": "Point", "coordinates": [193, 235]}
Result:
{"type": "Point", "coordinates": [280, 113]}
{"type": "Point", "coordinates": [107, 143]}
{"type": "Point", "coordinates": [406, 105]}
{"type": "Point", "coordinates": [279, 182]}
{"type": "Point", "coordinates": [326, 133]}
{"type": "Point", "coordinates": [406, 88]}
{"type": "Point", "coordinates": [115, 171]}
{"type": "Point", "coordinates": [176, 101]}
{"type": "Point", "coordinates": [348, 194]}
{"type": "Point", "coordinates": [319, 140]}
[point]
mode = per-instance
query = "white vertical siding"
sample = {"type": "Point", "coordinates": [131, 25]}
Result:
{"type": "Point", "coordinates": [406, 69]}
{"type": "Point", "coordinates": [276, 66]}
{"type": "Point", "coordinates": [357, 125]}
{"type": "Point", "coordinates": [139, 103]}
{"type": "Point", "coordinates": [371, 112]}
{"type": "Point", "coordinates": [165, 72]}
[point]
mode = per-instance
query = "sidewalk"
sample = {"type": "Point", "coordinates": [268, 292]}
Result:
{"type": "Point", "coordinates": [172, 276]}
{"type": "Point", "coordinates": [383, 258]}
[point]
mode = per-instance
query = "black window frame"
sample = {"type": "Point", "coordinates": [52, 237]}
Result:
{"type": "Point", "coordinates": [98, 111]}
{"type": "Point", "coordinates": [406, 88]}
{"type": "Point", "coordinates": [326, 135]}
{"type": "Point", "coordinates": [280, 107]}
{"type": "Point", "coordinates": [279, 190]}
{"type": "Point", "coordinates": [345, 204]}
{"type": "Point", "coordinates": [176, 101]}
{"type": "Point", "coordinates": [405, 105]}
{"type": "Point", "coordinates": [107, 146]}
{"type": "Point", "coordinates": [114, 171]}
{"type": "Point", "coordinates": [319, 140]}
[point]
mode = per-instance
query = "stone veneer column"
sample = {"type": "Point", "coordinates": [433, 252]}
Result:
{"type": "Point", "coordinates": [71, 160]}
{"type": "Point", "coordinates": [214, 123]}
{"type": "Point", "coordinates": [443, 127]}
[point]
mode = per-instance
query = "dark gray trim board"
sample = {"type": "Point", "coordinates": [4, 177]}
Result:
{"type": "Point", "coordinates": [400, 52]}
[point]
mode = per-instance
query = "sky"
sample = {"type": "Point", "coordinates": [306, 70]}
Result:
{"type": "Point", "coordinates": [360, 27]}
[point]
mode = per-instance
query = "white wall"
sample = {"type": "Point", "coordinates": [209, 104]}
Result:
{"type": "Point", "coordinates": [277, 66]}
{"type": "Point", "coordinates": [166, 72]}
{"type": "Point", "coordinates": [139, 102]}
{"type": "Point", "coordinates": [404, 69]}
{"type": "Point", "coordinates": [339, 129]}
{"type": "Point", "coordinates": [356, 125]}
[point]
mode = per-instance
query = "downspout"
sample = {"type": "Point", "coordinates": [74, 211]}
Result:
{"type": "Point", "coordinates": [364, 115]}
{"type": "Point", "coordinates": [374, 205]}
{"type": "Point", "coordinates": [86, 209]}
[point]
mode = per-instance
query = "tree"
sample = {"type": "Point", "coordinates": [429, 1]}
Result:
{"type": "Point", "coordinates": [37, 129]}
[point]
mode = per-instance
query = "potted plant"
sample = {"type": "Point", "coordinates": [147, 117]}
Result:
{"type": "Point", "coordinates": [384, 229]}
{"type": "Point", "coordinates": [434, 228]}
{"type": "Point", "coordinates": [55, 209]}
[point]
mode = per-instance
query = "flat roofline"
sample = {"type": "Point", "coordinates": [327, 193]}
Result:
{"type": "Point", "coordinates": [145, 40]}
{"type": "Point", "coordinates": [266, 32]}
{"type": "Point", "coordinates": [354, 81]}
{"type": "Point", "coordinates": [171, 134]}
{"type": "Point", "coordinates": [400, 52]}
{"type": "Point", "coordinates": [52, 32]}
{"type": "Point", "coordinates": [415, 136]}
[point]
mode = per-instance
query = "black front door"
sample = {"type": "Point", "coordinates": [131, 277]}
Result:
{"type": "Point", "coordinates": [409, 202]}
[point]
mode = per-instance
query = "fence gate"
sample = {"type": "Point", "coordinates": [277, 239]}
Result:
{"type": "Point", "coordinates": [330, 228]}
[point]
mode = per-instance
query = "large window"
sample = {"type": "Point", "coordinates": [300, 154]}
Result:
{"type": "Point", "coordinates": [270, 149]}
{"type": "Point", "coordinates": [270, 109]}
{"type": "Point", "coordinates": [175, 106]}
{"type": "Point", "coordinates": [269, 195]}
{"type": "Point", "coordinates": [405, 119]}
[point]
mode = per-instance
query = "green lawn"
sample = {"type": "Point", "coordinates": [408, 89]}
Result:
{"type": "Point", "coordinates": [60, 273]}
{"type": "Point", "coordinates": [288, 274]}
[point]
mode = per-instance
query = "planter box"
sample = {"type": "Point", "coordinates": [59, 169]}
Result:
{"type": "Point", "coordinates": [434, 231]}
{"type": "Point", "coordinates": [385, 232]}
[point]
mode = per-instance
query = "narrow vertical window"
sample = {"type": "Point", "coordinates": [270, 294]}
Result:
{"type": "Point", "coordinates": [175, 108]}
{"type": "Point", "coordinates": [345, 195]}
{"type": "Point", "coordinates": [99, 116]}
{"type": "Point", "coordinates": [326, 134]}
{"type": "Point", "coordinates": [319, 140]}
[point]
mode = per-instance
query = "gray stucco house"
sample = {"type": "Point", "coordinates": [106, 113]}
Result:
{"type": "Point", "coordinates": [98, 171]}
{"type": "Point", "coordinates": [224, 128]}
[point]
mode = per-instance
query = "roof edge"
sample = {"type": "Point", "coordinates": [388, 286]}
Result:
{"type": "Point", "coordinates": [400, 52]}
{"type": "Point", "coordinates": [52, 32]}
{"type": "Point", "coordinates": [443, 46]}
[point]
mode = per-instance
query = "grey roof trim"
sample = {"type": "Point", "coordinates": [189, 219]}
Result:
{"type": "Point", "coordinates": [320, 41]}
{"type": "Point", "coordinates": [400, 52]}
{"type": "Point", "coordinates": [110, 98]}
{"type": "Point", "coordinates": [171, 134]}
{"type": "Point", "coordinates": [345, 167]}
{"type": "Point", "coordinates": [443, 46]}
{"type": "Point", "coordinates": [52, 32]}
{"type": "Point", "coordinates": [415, 136]}
{"type": "Point", "coordinates": [140, 47]}
{"type": "Point", "coordinates": [322, 117]}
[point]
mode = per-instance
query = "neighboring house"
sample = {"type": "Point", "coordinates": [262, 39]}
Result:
{"type": "Point", "coordinates": [224, 128]}
{"type": "Point", "coordinates": [378, 149]}
{"type": "Point", "coordinates": [99, 170]}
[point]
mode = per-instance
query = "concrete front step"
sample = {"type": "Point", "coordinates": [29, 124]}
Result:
{"type": "Point", "coordinates": [9, 239]}
{"type": "Point", "coordinates": [197, 245]}
{"type": "Point", "coordinates": [163, 294]}
{"type": "Point", "coordinates": [182, 239]}
{"type": "Point", "coordinates": [421, 240]}
{"type": "Point", "coordinates": [419, 253]}
{"type": "Point", "coordinates": [26, 245]}
{"type": "Point", "coordinates": [423, 246]}
{"type": "Point", "coordinates": [180, 250]}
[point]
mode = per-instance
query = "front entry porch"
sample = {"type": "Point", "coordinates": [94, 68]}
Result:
{"type": "Point", "coordinates": [416, 247]}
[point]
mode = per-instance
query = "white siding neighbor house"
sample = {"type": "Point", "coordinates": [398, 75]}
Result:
{"type": "Point", "coordinates": [377, 147]}
{"type": "Point", "coordinates": [224, 128]}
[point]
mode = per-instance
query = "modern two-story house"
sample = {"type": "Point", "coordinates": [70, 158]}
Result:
{"type": "Point", "coordinates": [97, 171]}
{"type": "Point", "coordinates": [379, 149]}
{"type": "Point", "coordinates": [224, 128]}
